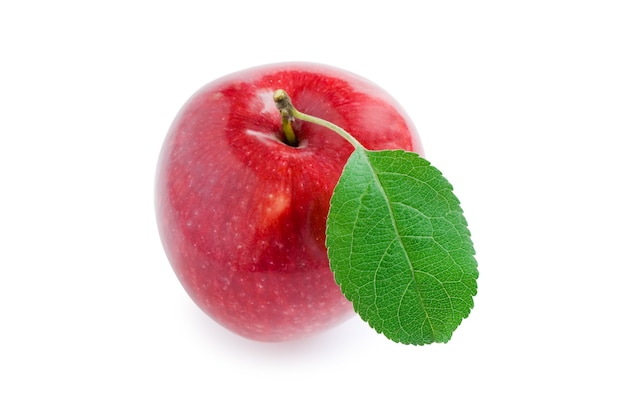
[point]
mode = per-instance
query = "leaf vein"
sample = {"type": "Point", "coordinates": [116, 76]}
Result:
{"type": "Point", "coordinates": [402, 245]}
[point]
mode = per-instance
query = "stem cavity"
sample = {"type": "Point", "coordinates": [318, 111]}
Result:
{"type": "Point", "coordinates": [289, 113]}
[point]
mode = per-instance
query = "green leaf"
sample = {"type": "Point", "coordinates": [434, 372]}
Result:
{"type": "Point", "coordinates": [399, 246]}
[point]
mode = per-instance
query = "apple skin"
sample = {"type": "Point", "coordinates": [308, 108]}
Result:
{"type": "Point", "coordinates": [242, 215]}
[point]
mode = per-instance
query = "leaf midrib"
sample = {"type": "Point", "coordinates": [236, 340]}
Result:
{"type": "Point", "coordinates": [402, 245]}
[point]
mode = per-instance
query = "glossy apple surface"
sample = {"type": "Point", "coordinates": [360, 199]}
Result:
{"type": "Point", "coordinates": [242, 215]}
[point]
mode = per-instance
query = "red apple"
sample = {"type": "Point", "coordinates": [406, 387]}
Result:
{"type": "Point", "coordinates": [242, 214]}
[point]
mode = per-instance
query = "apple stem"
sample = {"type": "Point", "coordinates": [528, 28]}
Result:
{"type": "Point", "coordinates": [283, 102]}
{"type": "Point", "coordinates": [289, 113]}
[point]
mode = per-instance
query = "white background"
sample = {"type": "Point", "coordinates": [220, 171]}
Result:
{"type": "Point", "coordinates": [522, 105]}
